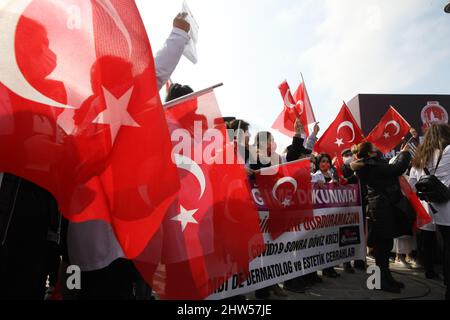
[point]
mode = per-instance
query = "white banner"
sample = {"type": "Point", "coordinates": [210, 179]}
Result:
{"type": "Point", "coordinates": [334, 235]}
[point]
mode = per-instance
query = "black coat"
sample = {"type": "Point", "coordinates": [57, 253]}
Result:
{"type": "Point", "coordinates": [349, 174]}
{"type": "Point", "coordinates": [297, 150]}
{"type": "Point", "coordinates": [383, 192]}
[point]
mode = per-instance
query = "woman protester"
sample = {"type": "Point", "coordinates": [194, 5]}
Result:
{"type": "Point", "coordinates": [391, 214]}
{"type": "Point", "coordinates": [433, 158]}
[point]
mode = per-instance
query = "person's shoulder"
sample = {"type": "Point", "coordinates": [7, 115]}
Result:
{"type": "Point", "coordinates": [447, 150]}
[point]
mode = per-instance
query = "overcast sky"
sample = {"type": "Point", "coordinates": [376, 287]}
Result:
{"type": "Point", "coordinates": [342, 47]}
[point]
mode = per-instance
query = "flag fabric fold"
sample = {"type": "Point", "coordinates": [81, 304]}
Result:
{"type": "Point", "coordinates": [89, 127]}
{"type": "Point", "coordinates": [212, 231]}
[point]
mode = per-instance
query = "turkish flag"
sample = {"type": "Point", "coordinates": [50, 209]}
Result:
{"type": "Point", "coordinates": [423, 218]}
{"type": "Point", "coordinates": [288, 195]}
{"type": "Point", "coordinates": [342, 134]}
{"type": "Point", "coordinates": [338, 164]}
{"type": "Point", "coordinates": [297, 106]}
{"type": "Point", "coordinates": [212, 231]}
{"type": "Point", "coordinates": [82, 114]}
{"type": "Point", "coordinates": [389, 132]}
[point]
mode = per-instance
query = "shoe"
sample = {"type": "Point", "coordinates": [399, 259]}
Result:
{"type": "Point", "coordinates": [402, 261]}
{"type": "Point", "coordinates": [360, 265]}
{"type": "Point", "coordinates": [330, 273]}
{"type": "Point", "coordinates": [348, 268]}
{"type": "Point", "coordinates": [279, 292]}
{"type": "Point", "coordinates": [387, 287]}
{"type": "Point", "coordinates": [394, 282]}
{"type": "Point", "coordinates": [49, 293]}
{"type": "Point", "coordinates": [297, 285]}
{"type": "Point", "coordinates": [387, 283]}
{"type": "Point", "coordinates": [313, 278]}
{"type": "Point", "coordinates": [262, 294]}
{"type": "Point", "coordinates": [431, 275]}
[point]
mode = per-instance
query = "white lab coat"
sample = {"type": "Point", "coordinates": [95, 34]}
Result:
{"type": "Point", "coordinates": [443, 174]}
{"type": "Point", "coordinates": [93, 245]}
{"type": "Point", "coordinates": [169, 56]}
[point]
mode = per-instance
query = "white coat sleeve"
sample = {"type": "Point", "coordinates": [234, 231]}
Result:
{"type": "Point", "coordinates": [169, 56]}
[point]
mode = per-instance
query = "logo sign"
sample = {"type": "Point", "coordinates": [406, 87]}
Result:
{"type": "Point", "coordinates": [349, 236]}
{"type": "Point", "coordinates": [433, 112]}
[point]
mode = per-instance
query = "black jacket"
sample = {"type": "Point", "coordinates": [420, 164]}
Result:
{"type": "Point", "coordinates": [297, 150]}
{"type": "Point", "coordinates": [383, 192]}
{"type": "Point", "coordinates": [24, 208]}
{"type": "Point", "coordinates": [349, 174]}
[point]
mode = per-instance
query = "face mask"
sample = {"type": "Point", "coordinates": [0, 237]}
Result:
{"type": "Point", "coordinates": [325, 166]}
{"type": "Point", "coordinates": [348, 160]}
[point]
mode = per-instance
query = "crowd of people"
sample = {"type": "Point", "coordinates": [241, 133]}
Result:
{"type": "Point", "coordinates": [36, 242]}
{"type": "Point", "coordinates": [389, 214]}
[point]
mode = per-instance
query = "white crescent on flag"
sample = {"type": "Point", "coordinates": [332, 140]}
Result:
{"type": "Point", "coordinates": [396, 124]}
{"type": "Point", "coordinates": [287, 101]}
{"type": "Point", "coordinates": [281, 182]}
{"type": "Point", "coordinates": [191, 166]}
{"type": "Point", "coordinates": [10, 74]}
{"type": "Point", "coordinates": [350, 125]}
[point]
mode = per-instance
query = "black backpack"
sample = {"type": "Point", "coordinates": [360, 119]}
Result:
{"type": "Point", "coordinates": [431, 189]}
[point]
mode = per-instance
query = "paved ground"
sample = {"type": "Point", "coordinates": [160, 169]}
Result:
{"type": "Point", "coordinates": [353, 287]}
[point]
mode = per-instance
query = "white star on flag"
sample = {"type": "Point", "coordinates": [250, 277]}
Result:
{"type": "Point", "coordinates": [339, 142]}
{"type": "Point", "coordinates": [185, 217]}
{"type": "Point", "coordinates": [116, 113]}
{"type": "Point", "coordinates": [387, 135]}
{"type": "Point", "coordinates": [286, 203]}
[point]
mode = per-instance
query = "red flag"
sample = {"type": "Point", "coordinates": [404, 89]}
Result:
{"type": "Point", "coordinates": [302, 97]}
{"type": "Point", "coordinates": [88, 127]}
{"type": "Point", "coordinates": [389, 132]}
{"type": "Point", "coordinates": [287, 194]}
{"type": "Point", "coordinates": [213, 230]}
{"type": "Point", "coordinates": [342, 134]}
{"type": "Point", "coordinates": [295, 107]}
{"type": "Point", "coordinates": [423, 218]}
{"type": "Point", "coordinates": [338, 164]}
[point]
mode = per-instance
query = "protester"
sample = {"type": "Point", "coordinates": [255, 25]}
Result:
{"type": "Point", "coordinates": [177, 90]}
{"type": "Point", "coordinates": [389, 220]}
{"type": "Point", "coordinates": [240, 130]}
{"type": "Point", "coordinates": [326, 174]}
{"type": "Point", "coordinates": [297, 149]}
{"type": "Point", "coordinates": [294, 152]}
{"type": "Point", "coordinates": [25, 214]}
{"type": "Point", "coordinates": [350, 177]}
{"type": "Point", "coordinates": [403, 249]}
{"type": "Point", "coordinates": [167, 59]}
{"type": "Point", "coordinates": [348, 174]}
{"type": "Point", "coordinates": [426, 236]}
{"type": "Point", "coordinates": [266, 157]}
{"type": "Point", "coordinates": [433, 156]}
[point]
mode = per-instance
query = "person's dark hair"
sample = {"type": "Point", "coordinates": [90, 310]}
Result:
{"type": "Point", "coordinates": [344, 152]}
{"type": "Point", "coordinates": [239, 125]}
{"type": "Point", "coordinates": [261, 136]}
{"type": "Point", "coordinates": [362, 150]}
{"type": "Point", "coordinates": [437, 137]}
{"type": "Point", "coordinates": [322, 156]}
{"type": "Point", "coordinates": [177, 90]}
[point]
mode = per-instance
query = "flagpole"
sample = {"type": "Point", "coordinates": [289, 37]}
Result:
{"type": "Point", "coordinates": [190, 96]}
